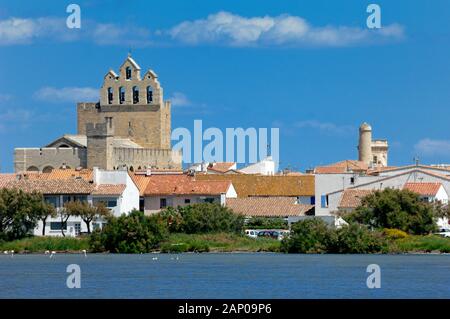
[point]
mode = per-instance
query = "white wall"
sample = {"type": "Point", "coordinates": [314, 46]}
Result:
{"type": "Point", "coordinates": [396, 182]}
{"type": "Point", "coordinates": [129, 199]}
{"type": "Point", "coordinates": [328, 183]}
{"type": "Point", "coordinates": [264, 167]}
{"type": "Point", "coordinates": [152, 203]}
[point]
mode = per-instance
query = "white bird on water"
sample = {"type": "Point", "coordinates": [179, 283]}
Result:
{"type": "Point", "coordinates": [155, 258]}
{"type": "Point", "coordinates": [47, 252]}
{"type": "Point", "coordinates": [52, 254]}
{"type": "Point", "coordinates": [84, 252]}
{"type": "Point", "coordinates": [6, 252]}
{"type": "Point", "coordinates": [12, 253]}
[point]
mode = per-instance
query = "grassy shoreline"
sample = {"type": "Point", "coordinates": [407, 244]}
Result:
{"type": "Point", "coordinates": [217, 243]}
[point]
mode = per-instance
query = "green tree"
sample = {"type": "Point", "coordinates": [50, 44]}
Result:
{"type": "Point", "coordinates": [43, 210]}
{"type": "Point", "coordinates": [208, 218]}
{"type": "Point", "coordinates": [133, 233]}
{"type": "Point", "coordinates": [86, 211]}
{"type": "Point", "coordinates": [267, 223]}
{"type": "Point", "coordinates": [17, 216]}
{"type": "Point", "coordinates": [357, 239]}
{"type": "Point", "coordinates": [393, 208]}
{"type": "Point", "coordinates": [311, 235]}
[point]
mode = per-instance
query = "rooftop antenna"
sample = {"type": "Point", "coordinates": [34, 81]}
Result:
{"type": "Point", "coordinates": [416, 160]}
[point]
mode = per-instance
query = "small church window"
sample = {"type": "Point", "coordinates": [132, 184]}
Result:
{"type": "Point", "coordinates": [135, 95]}
{"type": "Point", "coordinates": [110, 95]}
{"type": "Point", "coordinates": [128, 73]}
{"type": "Point", "coordinates": [121, 95]}
{"type": "Point", "coordinates": [149, 94]}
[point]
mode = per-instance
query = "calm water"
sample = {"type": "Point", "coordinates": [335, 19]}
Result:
{"type": "Point", "coordinates": [225, 276]}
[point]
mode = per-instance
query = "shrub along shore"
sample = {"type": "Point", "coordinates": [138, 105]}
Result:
{"type": "Point", "coordinates": [216, 243]}
{"type": "Point", "coordinates": [389, 221]}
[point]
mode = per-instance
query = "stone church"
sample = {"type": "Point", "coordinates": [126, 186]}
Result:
{"type": "Point", "coordinates": [129, 128]}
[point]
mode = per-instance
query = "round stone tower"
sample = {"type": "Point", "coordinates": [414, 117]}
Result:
{"type": "Point", "coordinates": [365, 143]}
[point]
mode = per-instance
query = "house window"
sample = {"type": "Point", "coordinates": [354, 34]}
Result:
{"type": "Point", "coordinates": [57, 226]}
{"type": "Point", "coordinates": [128, 73]}
{"type": "Point", "coordinates": [187, 201]}
{"type": "Point", "coordinates": [375, 159]}
{"type": "Point", "coordinates": [53, 200]}
{"type": "Point", "coordinates": [110, 95]}
{"type": "Point", "coordinates": [324, 201]}
{"type": "Point", "coordinates": [80, 198]}
{"type": "Point", "coordinates": [208, 200]}
{"type": "Point", "coordinates": [313, 200]}
{"type": "Point", "coordinates": [162, 202]}
{"type": "Point", "coordinates": [135, 95]}
{"type": "Point", "coordinates": [108, 202]}
{"type": "Point", "coordinates": [352, 180]}
{"type": "Point", "coordinates": [149, 94]}
{"type": "Point", "coordinates": [121, 95]}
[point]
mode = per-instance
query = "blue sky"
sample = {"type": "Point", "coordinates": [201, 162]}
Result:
{"type": "Point", "coordinates": [311, 68]}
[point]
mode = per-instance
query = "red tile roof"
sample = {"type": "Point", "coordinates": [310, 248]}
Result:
{"type": "Point", "coordinates": [351, 198]}
{"type": "Point", "coordinates": [424, 189]}
{"type": "Point", "coordinates": [342, 167]}
{"type": "Point", "coordinates": [221, 167]}
{"type": "Point", "coordinates": [268, 206]}
{"type": "Point", "coordinates": [183, 185]}
{"type": "Point", "coordinates": [66, 187]}
{"type": "Point", "coordinates": [109, 189]}
{"type": "Point", "coordinates": [141, 182]}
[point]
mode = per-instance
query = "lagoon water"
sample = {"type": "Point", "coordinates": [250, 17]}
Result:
{"type": "Point", "coordinates": [235, 275]}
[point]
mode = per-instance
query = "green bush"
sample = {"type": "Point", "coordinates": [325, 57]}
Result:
{"type": "Point", "coordinates": [315, 236]}
{"type": "Point", "coordinates": [357, 239]}
{"type": "Point", "coordinates": [197, 247]}
{"type": "Point", "coordinates": [311, 235]}
{"type": "Point", "coordinates": [394, 233]}
{"type": "Point", "coordinates": [202, 218]}
{"type": "Point", "coordinates": [135, 233]}
{"type": "Point", "coordinates": [266, 223]}
{"type": "Point", "coordinates": [393, 208]}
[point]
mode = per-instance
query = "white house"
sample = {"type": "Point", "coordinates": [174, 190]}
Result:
{"type": "Point", "coordinates": [173, 190]}
{"type": "Point", "coordinates": [114, 188]}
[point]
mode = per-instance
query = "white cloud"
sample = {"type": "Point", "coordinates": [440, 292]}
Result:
{"type": "Point", "coordinates": [23, 31]}
{"type": "Point", "coordinates": [430, 147]}
{"type": "Point", "coordinates": [67, 94]}
{"type": "Point", "coordinates": [225, 28]}
{"type": "Point", "coordinates": [221, 28]}
{"type": "Point", "coordinates": [5, 97]}
{"type": "Point", "coordinates": [14, 118]}
{"type": "Point", "coordinates": [180, 99]}
{"type": "Point", "coordinates": [325, 126]}
{"type": "Point", "coordinates": [111, 34]}
{"type": "Point", "coordinates": [15, 31]}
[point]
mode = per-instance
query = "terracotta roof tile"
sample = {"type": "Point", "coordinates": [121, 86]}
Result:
{"type": "Point", "coordinates": [141, 182]}
{"type": "Point", "coordinates": [342, 167]}
{"type": "Point", "coordinates": [351, 198]}
{"type": "Point", "coordinates": [183, 185]}
{"type": "Point", "coordinates": [221, 167]}
{"type": "Point", "coordinates": [261, 185]}
{"type": "Point", "coordinates": [71, 186]}
{"type": "Point", "coordinates": [109, 189]}
{"type": "Point", "coordinates": [425, 189]}
{"type": "Point", "coordinates": [268, 206]}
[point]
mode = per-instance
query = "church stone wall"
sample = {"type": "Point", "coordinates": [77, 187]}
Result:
{"type": "Point", "coordinates": [140, 123]}
{"type": "Point", "coordinates": [141, 158]}
{"type": "Point", "coordinates": [42, 159]}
